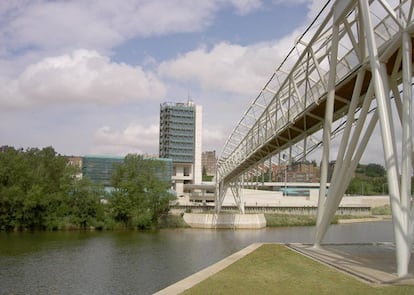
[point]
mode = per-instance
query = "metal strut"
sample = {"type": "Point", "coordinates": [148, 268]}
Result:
{"type": "Point", "coordinates": [345, 66]}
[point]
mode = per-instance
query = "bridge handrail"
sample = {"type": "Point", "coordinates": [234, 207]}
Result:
{"type": "Point", "coordinates": [245, 139]}
{"type": "Point", "coordinates": [279, 68]}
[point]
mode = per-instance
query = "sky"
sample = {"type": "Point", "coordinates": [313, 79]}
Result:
{"type": "Point", "coordinates": [88, 77]}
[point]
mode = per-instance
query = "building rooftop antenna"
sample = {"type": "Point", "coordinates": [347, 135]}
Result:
{"type": "Point", "coordinates": [190, 102]}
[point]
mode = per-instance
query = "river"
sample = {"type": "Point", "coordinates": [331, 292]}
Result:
{"type": "Point", "coordinates": [140, 262]}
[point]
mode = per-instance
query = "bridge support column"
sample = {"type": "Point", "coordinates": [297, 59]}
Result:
{"type": "Point", "coordinates": [351, 150]}
{"type": "Point", "coordinates": [328, 122]}
{"type": "Point", "coordinates": [236, 189]}
{"type": "Point", "coordinates": [348, 61]}
{"type": "Point", "coordinates": [348, 157]}
{"type": "Point", "coordinates": [407, 121]}
{"type": "Point", "coordinates": [220, 195]}
{"type": "Point", "coordinates": [399, 203]}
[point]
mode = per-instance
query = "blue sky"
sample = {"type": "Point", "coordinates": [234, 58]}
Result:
{"type": "Point", "coordinates": [87, 77]}
{"type": "Point", "coordinates": [270, 22]}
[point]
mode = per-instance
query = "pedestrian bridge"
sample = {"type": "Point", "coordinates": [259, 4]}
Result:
{"type": "Point", "coordinates": [350, 71]}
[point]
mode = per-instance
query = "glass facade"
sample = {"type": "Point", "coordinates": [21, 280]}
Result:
{"type": "Point", "coordinates": [177, 132]}
{"type": "Point", "coordinates": [99, 169]}
{"type": "Point", "coordinates": [164, 174]}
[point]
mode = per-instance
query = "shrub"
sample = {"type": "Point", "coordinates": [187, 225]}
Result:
{"type": "Point", "coordinates": [172, 221]}
{"type": "Point", "coordinates": [275, 220]}
{"type": "Point", "coordinates": [383, 210]}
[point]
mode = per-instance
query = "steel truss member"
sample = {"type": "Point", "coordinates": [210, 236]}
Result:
{"type": "Point", "coordinates": [354, 63]}
{"type": "Point", "coordinates": [382, 73]}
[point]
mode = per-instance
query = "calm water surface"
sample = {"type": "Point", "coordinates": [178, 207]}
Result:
{"type": "Point", "coordinates": [136, 262]}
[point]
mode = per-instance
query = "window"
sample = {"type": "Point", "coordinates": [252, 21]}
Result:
{"type": "Point", "coordinates": [186, 171]}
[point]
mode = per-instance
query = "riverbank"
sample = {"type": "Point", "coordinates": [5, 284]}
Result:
{"type": "Point", "coordinates": [172, 221]}
{"type": "Point", "coordinates": [275, 269]}
{"type": "Point", "coordinates": [283, 220]}
{"type": "Point", "coordinates": [169, 255]}
{"type": "Point", "coordinates": [286, 219]}
{"type": "Point", "coordinates": [278, 220]}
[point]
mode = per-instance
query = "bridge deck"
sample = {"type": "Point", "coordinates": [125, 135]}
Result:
{"type": "Point", "coordinates": [311, 119]}
{"type": "Point", "coordinates": [291, 106]}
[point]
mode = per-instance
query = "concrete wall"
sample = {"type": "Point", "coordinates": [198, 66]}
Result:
{"type": "Point", "coordinates": [275, 198]}
{"type": "Point", "coordinates": [373, 201]}
{"type": "Point", "coordinates": [198, 145]}
{"type": "Point", "coordinates": [179, 177]}
{"type": "Point", "coordinates": [238, 221]}
{"type": "Point", "coordinates": [294, 210]}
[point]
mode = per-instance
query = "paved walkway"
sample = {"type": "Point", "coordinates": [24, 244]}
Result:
{"type": "Point", "coordinates": [200, 276]}
{"type": "Point", "coordinates": [370, 263]}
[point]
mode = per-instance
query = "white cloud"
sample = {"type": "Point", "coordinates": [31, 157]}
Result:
{"type": "Point", "coordinates": [83, 76]}
{"type": "Point", "coordinates": [33, 31]}
{"type": "Point", "coordinates": [40, 41]}
{"type": "Point", "coordinates": [135, 138]}
{"type": "Point", "coordinates": [224, 67]}
{"type": "Point", "coordinates": [102, 25]}
{"type": "Point", "coordinates": [42, 25]}
{"type": "Point", "coordinates": [229, 67]}
{"type": "Point", "coordinates": [246, 6]}
{"type": "Point", "coordinates": [292, 2]}
{"type": "Point", "coordinates": [213, 138]}
{"type": "Point", "coordinates": [139, 138]}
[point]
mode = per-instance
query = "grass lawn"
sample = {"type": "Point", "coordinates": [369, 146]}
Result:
{"type": "Point", "coordinates": [274, 269]}
{"type": "Point", "coordinates": [280, 219]}
{"type": "Point", "coordinates": [276, 220]}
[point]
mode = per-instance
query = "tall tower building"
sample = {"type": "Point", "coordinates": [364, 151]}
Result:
{"type": "Point", "coordinates": [180, 141]}
{"type": "Point", "coordinates": [209, 163]}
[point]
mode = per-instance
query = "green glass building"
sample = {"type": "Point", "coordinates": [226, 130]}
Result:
{"type": "Point", "coordinates": [180, 140]}
{"type": "Point", "coordinates": [99, 169]}
{"type": "Point", "coordinates": [177, 125]}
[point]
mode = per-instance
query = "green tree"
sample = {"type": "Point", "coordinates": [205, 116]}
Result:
{"type": "Point", "coordinates": [369, 180]}
{"type": "Point", "coordinates": [85, 208]}
{"type": "Point", "coordinates": [12, 190]}
{"type": "Point", "coordinates": [374, 170]}
{"type": "Point", "coordinates": [141, 192]}
{"type": "Point", "coordinates": [11, 199]}
{"type": "Point", "coordinates": [33, 186]}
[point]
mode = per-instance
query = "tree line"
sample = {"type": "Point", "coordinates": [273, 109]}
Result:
{"type": "Point", "coordinates": [370, 179]}
{"type": "Point", "coordinates": [39, 190]}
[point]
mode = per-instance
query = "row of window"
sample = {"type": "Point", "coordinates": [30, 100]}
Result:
{"type": "Point", "coordinates": [173, 140]}
{"type": "Point", "coordinates": [178, 145]}
{"type": "Point", "coordinates": [179, 131]}
{"type": "Point", "coordinates": [177, 113]}
{"type": "Point", "coordinates": [181, 118]}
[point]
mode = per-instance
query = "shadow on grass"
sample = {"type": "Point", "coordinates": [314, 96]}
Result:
{"type": "Point", "coordinates": [274, 269]}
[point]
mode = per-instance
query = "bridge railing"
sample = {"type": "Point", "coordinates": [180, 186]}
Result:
{"type": "Point", "coordinates": [296, 86]}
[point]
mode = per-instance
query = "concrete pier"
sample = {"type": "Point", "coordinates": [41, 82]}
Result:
{"type": "Point", "coordinates": [225, 220]}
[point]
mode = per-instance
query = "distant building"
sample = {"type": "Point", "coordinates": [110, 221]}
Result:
{"type": "Point", "coordinates": [303, 171]}
{"type": "Point", "coordinates": [165, 174]}
{"type": "Point", "coordinates": [180, 141]}
{"type": "Point", "coordinates": [99, 169]}
{"type": "Point", "coordinates": [76, 161]}
{"type": "Point", "coordinates": [209, 163]}
{"type": "Point", "coordinates": [4, 148]}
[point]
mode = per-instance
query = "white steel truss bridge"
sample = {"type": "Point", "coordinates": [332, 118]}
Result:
{"type": "Point", "coordinates": [350, 71]}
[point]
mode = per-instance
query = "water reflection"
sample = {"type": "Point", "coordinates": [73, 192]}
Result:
{"type": "Point", "coordinates": [139, 263]}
